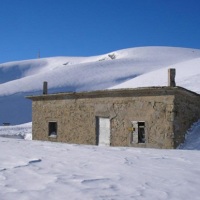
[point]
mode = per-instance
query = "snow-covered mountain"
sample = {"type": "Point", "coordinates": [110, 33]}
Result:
{"type": "Point", "coordinates": [37, 170]}
{"type": "Point", "coordinates": [134, 67]}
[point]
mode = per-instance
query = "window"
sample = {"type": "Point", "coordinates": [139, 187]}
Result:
{"type": "Point", "coordinates": [138, 134]}
{"type": "Point", "coordinates": [141, 132]}
{"type": "Point", "coordinates": [52, 129]}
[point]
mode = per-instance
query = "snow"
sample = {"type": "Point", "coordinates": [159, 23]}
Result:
{"type": "Point", "coordinates": [192, 138]}
{"type": "Point", "coordinates": [22, 131]}
{"type": "Point", "coordinates": [44, 170]}
{"type": "Point", "coordinates": [187, 76]}
{"type": "Point", "coordinates": [79, 73]}
{"type": "Point", "coordinates": [38, 170]}
{"type": "Point", "coordinates": [127, 68]}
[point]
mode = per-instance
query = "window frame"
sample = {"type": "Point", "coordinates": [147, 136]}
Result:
{"type": "Point", "coordinates": [137, 132]}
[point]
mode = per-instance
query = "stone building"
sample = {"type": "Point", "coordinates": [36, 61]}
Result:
{"type": "Point", "coordinates": [156, 117]}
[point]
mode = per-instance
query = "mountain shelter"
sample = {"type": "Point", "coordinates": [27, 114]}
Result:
{"type": "Point", "coordinates": [154, 117]}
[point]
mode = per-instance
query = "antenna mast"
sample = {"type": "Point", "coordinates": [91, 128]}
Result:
{"type": "Point", "coordinates": [39, 54]}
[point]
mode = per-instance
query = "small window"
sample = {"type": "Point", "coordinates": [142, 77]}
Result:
{"type": "Point", "coordinates": [141, 132]}
{"type": "Point", "coordinates": [52, 129]}
{"type": "Point", "coordinates": [138, 134]}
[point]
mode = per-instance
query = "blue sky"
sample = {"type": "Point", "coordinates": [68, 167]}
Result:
{"type": "Point", "coordinates": [93, 27]}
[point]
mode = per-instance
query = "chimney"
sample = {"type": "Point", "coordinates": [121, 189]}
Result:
{"type": "Point", "coordinates": [45, 89]}
{"type": "Point", "coordinates": [171, 77]}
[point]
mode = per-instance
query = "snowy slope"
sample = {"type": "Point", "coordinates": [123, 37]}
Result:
{"type": "Point", "coordinates": [192, 138]}
{"type": "Point", "coordinates": [43, 170]}
{"type": "Point", "coordinates": [143, 66]}
{"type": "Point", "coordinates": [90, 73]}
{"type": "Point", "coordinates": [187, 75]}
{"type": "Point", "coordinates": [22, 131]}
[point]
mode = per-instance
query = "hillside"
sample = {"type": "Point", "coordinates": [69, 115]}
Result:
{"type": "Point", "coordinates": [134, 67]}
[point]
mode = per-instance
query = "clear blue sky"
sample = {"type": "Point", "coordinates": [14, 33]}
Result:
{"type": "Point", "coordinates": [93, 27]}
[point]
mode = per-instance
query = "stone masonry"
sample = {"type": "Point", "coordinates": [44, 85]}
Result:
{"type": "Point", "coordinates": [167, 112]}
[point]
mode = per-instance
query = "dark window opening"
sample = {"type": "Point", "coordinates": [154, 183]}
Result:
{"type": "Point", "coordinates": [141, 132]}
{"type": "Point", "coordinates": [97, 130]}
{"type": "Point", "coordinates": [53, 129]}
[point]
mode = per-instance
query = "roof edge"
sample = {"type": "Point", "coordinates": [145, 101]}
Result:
{"type": "Point", "coordinates": [142, 91]}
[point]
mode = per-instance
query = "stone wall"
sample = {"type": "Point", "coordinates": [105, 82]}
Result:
{"type": "Point", "coordinates": [186, 112]}
{"type": "Point", "coordinates": [167, 112]}
{"type": "Point", "coordinates": [76, 118]}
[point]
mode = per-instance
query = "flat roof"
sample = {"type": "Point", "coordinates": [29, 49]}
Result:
{"type": "Point", "coordinates": [127, 92]}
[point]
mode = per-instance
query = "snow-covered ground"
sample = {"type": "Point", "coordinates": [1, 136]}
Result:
{"type": "Point", "coordinates": [129, 68]}
{"type": "Point", "coordinates": [32, 170]}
